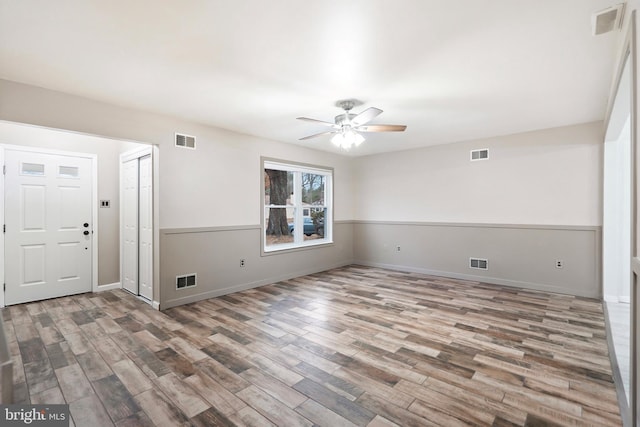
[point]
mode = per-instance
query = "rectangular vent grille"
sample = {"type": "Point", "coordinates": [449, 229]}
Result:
{"type": "Point", "coordinates": [479, 263]}
{"type": "Point", "coordinates": [480, 154]}
{"type": "Point", "coordinates": [185, 141]}
{"type": "Point", "coordinates": [186, 281]}
{"type": "Point", "coordinates": [607, 20]}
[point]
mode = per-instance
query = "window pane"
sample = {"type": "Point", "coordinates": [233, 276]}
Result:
{"type": "Point", "coordinates": [313, 189]}
{"type": "Point", "coordinates": [68, 171]}
{"type": "Point", "coordinates": [32, 169]}
{"type": "Point", "coordinates": [278, 187]}
{"type": "Point", "coordinates": [278, 226]}
{"type": "Point", "coordinates": [314, 225]}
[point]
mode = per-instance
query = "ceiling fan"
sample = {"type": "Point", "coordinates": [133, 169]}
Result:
{"type": "Point", "coordinates": [347, 127]}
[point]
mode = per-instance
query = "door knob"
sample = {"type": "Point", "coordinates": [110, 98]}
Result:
{"type": "Point", "coordinates": [85, 232]}
{"type": "Point", "coordinates": [86, 224]}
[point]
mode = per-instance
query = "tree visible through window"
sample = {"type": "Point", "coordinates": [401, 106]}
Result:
{"type": "Point", "coordinates": [278, 191]}
{"type": "Point", "coordinates": [297, 205]}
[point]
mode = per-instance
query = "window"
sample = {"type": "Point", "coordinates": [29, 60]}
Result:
{"type": "Point", "coordinates": [68, 171]}
{"type": "Point", "coordinates": [297, 205]}
{"type": "Point", "coordinates": [32, 169]}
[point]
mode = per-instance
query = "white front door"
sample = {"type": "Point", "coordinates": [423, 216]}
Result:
{"type": "Point", "coordinates": [49, 230]}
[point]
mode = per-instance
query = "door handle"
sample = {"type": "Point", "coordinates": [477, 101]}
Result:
{"type": "Point", "coordinates": [85, 232]}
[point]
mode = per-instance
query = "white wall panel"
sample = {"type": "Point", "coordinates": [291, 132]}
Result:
{"type": "Point", "coordinates": [550, 176]}
{"type": "Point", "coordinates": [33, 207]}
{"type": "Point", "coordinates": [33, 262]}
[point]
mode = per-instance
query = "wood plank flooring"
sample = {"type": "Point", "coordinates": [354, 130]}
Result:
{"type": "Point", "coordinates": [355, 346]}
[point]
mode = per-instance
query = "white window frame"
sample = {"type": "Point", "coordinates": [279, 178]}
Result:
{"type": "Point", "coordinates": [298, 231]}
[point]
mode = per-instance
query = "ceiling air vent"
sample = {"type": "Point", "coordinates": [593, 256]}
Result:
{"type": "Point", "coordinates": [479, 263]}
{"type": "Point", "coordinates": [185, 281]}
{"type": "Point", "coordinates": [185, 141]}
{"type": "Point", "coordinates": [607, 20]}
{"type": "Point", "coordinates": [480, 154]}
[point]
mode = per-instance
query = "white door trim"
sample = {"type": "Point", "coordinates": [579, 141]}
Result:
{"type": "Point", "coordinates": [155, 159]}
{"type": "Point", "coordinates": [94, 204]}
{"type": "Point", "coordinates": [136, 153]}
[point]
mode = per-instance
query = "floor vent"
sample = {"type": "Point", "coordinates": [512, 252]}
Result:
{"type": "Point", "coordinates": [480, 154]}
{"type": "Point", "coordinates": [479, 263]}
{"type": "Point", "coordinates": [185, 141]}
{"type": "Point", "coordinates": [186, 281]}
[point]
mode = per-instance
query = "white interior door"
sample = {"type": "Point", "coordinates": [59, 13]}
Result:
{"type": "Point", "coordinates": [130, 175]}
{"type": "Point", "coordinates": [49, 230]}
{"type": "Point", "coordinates": [145, 220]}
{"type": "Point", "coordinates": [137, 222]}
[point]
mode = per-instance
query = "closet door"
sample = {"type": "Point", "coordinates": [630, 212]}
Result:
{"type": "Point", "coordinates": [145, 223]}
{"type": "Point", "coordinates": [130, 184]}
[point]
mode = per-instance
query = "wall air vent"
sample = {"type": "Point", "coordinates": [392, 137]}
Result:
{"type": "Point", "coordinates": [186, 281]}
{"type": "Point", "coordinates": [479, 263]}
{"type": "Point", "coordinates": [185, 141]}
{"type": "Point", "coordinates": [607, 20]}
{"type": "Point", "coordinates": [480, 154]}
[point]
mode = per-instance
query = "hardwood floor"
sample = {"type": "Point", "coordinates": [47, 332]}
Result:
{"type": "Point", "coordinates": [352, 346]}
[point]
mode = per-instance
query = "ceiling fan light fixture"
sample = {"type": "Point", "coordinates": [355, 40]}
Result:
{"type": "Point", "coordinates": [347, 139]}
{"type": "Point", "coordinates": [347, 126]}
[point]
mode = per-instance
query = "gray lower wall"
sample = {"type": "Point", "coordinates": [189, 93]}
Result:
{"type": "Point", "coordinates": [214, 255]}
{"type": "Point", "coordinates": [519, 255]}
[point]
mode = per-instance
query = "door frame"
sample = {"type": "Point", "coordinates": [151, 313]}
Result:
{"type": "Point", "coordinates": [148, 150]}
{"type": "Point", "coordinates": [631, 47]}
{"type": "Point", "coordinates": [94, 205]}
{"type": "Point", "coordinates": [630, 413]}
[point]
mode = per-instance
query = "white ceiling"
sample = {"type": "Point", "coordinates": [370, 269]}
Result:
{"type": "Point", "coordinates": [449, 70]}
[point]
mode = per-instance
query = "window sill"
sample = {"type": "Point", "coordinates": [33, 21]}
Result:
{"type": "Point", "coordinates": [287, 248]}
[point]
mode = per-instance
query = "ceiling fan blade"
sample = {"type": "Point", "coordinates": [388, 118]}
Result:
{"type": "Point", "coordinates": [366, 116]}
{"type": "Point", "coordinates": [329, 132]}
{"type": "Point", "coordinates": [319, 122]}
{"type": "Point", "coordinates": [381, 128]}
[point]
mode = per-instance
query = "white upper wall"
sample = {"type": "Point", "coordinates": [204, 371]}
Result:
{"type": "Point", "coordinates": [550, 177]}
{"type": "Point", "coordinates": [218, 184]}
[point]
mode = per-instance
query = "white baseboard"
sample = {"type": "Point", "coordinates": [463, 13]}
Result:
{"type": "Point", "coordinates": [108, 287]}
{"type": "Point", "coordinates": [155, 305]}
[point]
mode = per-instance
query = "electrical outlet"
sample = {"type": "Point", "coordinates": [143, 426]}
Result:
{"type": "Point", "coordinates": [559, 263]}
{"type": "Point", "coordinates": [242, 262]}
